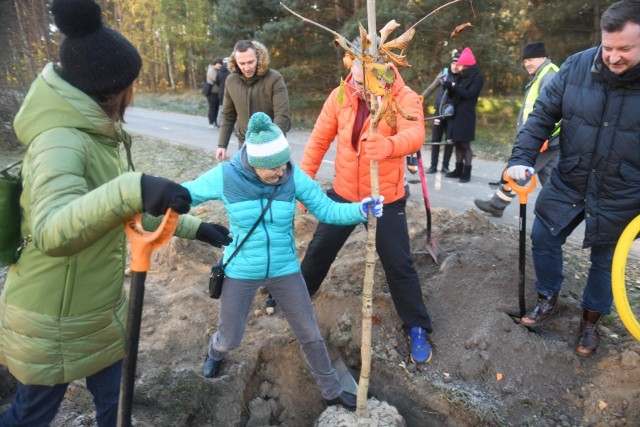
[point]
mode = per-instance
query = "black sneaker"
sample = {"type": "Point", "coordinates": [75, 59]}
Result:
{"type": "Point", "coordinates": [445, 169]}
{"type": "Point", "coordinates": [432, 169]}
{"type": "Point", "coordinates": [211, 367]}
{"type": "Point", "coordinates": [345, 399]}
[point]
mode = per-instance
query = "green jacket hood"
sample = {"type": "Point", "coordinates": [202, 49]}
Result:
{"type": "Point", "coordinates": [52, 102]}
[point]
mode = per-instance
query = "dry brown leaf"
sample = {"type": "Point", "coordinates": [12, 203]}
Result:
{"type": "Point", "coordinates": [389, 28]}
{"type": "Point", "coordinates": [401, 42]}
{"type": "Point", "coordinates": [459, 29]}
{"type": "Point", "coordinates": [398, 60]}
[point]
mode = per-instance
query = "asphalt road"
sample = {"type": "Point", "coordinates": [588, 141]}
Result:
{"type": "Point", "coordinates": [443, 192]}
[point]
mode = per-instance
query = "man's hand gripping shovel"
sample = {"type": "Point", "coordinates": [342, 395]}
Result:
{"type": "Point", "coordinates": [523, 194]}
{"type": "Point", "coordinates": [142, 245]}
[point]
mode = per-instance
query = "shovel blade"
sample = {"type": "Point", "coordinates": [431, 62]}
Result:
{"type": "Point", "coordinates": [436, 252]}
{"type": "Point", "coordinates": [347, 381]}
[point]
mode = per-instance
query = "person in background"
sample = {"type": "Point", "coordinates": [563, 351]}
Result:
{"type": "Point", "coordinates": [440, 124]}
{"type": "Point", "coordinates": [213, 99]}
{"type": "Point", "coordinates": [63, 307]}
{"type": "Point", "coordinates": [268, 258]}
{"type": "Point", "coordinates": [345, 117]}
{"type": "Point", "coordinates": [541, 70]}
{"type": "Point", "coordinates": [251, 87]}
{"type": "Point", "coordinates": [461, 128]}
{"type": "Point", "coordinates": [596, 93]}
{"type": "Point", "coordinates": [220, 80]}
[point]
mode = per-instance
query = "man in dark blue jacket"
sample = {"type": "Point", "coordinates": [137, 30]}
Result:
{"type": "Point", "coordinates": [596, 93]}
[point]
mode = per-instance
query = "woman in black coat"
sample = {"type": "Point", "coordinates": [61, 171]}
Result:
{"type": "Point", "coordinates": [461, 128]}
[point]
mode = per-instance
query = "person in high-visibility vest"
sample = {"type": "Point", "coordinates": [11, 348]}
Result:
{"type": "Point", "coordinates": [541, 70]}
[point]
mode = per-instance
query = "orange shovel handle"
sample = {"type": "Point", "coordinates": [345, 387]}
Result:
{"type": "Point", "coordinates": [143, 243]}
{"type": "Point", "coordinates": [521, 191]}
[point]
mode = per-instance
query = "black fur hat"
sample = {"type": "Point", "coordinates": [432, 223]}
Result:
{"type": "Point", "coordinates": [95, 58]}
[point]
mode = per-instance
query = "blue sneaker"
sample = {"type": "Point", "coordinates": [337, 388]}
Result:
{"type": "Point", "coordinates": [420, 345]}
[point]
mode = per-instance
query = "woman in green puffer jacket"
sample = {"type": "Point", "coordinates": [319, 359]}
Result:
{"type": "Point", "coordinates": [63, 308]}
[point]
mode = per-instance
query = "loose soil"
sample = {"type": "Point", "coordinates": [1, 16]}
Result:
{"type": "Point", "coordinates": [486, 369]}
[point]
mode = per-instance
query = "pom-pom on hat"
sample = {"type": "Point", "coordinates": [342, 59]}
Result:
{"type": "Point", "coordinates": [534, 50]}
{"type": "Point", "coordinates": [267, 148]}
{"type": "Point", "coordinates": [466, 58]}
{"type": "Point", "coordinates": [95, 58]}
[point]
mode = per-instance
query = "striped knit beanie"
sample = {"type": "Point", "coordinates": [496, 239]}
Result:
{"type": "Point", "coordinates": [267, 148]}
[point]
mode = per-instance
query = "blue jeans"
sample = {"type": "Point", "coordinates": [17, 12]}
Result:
{"type": "Point", "coordinates": [547, 261]}
{"type": "Point", "coordinates": [37, 405]}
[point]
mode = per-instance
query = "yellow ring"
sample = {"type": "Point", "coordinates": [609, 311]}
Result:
{"type": "Point", "coordinates": [618, 277]}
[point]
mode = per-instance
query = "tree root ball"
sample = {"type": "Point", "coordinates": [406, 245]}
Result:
{"type": "Point", "coordinates": [381, 414]}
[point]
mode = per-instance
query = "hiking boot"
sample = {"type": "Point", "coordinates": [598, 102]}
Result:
{"type": "Point", "coordinates": [588, 335]}
{"type": "Point", "coordinates": [412, 164]}
{"type": "Point", "coordinates": [432, 169]}
{"type": "Point", "coordinates": [345, 399]}
{"type": "Point", "coordinates": [488, 207]}
{"type": "Point", "coordinates": [211, 367]}
{"type": "Point", "coordinates": [420, 346]}
{"type": "Point", "coordinates": [545, 308]}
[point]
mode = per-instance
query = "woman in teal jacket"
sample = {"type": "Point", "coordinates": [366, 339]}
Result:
{"type": "Point", "coordinates": [63, 307]}
{"type": "Point", "coordinates": [268, 257]}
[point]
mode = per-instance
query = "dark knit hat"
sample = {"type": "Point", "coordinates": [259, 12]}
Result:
{"type": "Point", "coordinates": [95, 58]}
{"type": "Point", "coordinates": [455, 55]}
{"type": "Point", "coordinates": [534, 50]}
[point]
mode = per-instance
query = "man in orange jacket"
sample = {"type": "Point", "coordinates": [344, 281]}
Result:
{"type": "Point", "coordinates": [345, 114]}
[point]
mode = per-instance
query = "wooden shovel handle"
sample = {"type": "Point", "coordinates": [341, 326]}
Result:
{"type": "Point", "coordinates": [143, 243]}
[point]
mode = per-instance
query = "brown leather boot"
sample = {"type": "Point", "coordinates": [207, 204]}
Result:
{"type": "Point", "coordinates": [545, 308]}
{"type": "Point", "coordinates": [588, 335]}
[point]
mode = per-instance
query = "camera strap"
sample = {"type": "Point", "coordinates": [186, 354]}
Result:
{"type": "Point", "coordinates": [264, 212]}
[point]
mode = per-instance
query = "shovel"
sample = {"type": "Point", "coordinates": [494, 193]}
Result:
{"type": "Point", "coordinates": [432, 244]}
{"type": "Point", "coordinates": [142, 245]}
{"type": "Point", "coordinates": [347, 381]}
{"type": "Point", "coordinates": [523, 194]}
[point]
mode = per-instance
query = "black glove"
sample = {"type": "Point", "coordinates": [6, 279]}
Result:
{"type": "Point", "coordinates": [160, 194]}
{"type": "Point", "coordinates": [213, 234]}
{"type": "Point", "coordinates": [447, 85]}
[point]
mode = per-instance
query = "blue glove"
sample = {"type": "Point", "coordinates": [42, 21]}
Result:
{"type": "Point", "coordinates": [519, 172]}
{"type": "Point", "coordinates": [374, 206]}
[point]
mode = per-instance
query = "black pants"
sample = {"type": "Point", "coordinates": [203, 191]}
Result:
{"type": "Point", "coordinates": [437, 133]}
{"type": "Point", "coordinates": [214, 104]}
{"type": "Point", "coordinates": [392, 245]}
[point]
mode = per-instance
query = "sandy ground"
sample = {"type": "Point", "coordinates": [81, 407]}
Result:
{"type": "Point", "coordinates": [486, 370]}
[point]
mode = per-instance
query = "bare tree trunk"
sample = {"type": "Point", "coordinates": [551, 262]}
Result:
{"type": "Point", "coordinates": [26, 50]}
{"type": "Point", "coordinates": [362, 409]}
{"type": "Point", "coordinates": [168, 52]}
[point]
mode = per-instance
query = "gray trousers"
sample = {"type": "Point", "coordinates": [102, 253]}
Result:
{"type": "Point", "coordinates": [293, 299]}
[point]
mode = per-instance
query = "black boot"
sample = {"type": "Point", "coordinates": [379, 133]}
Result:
{"type": "Point", "coordinates": [544, 309]}
{"type": "Point", "coordinates": [588, 335]}
{"type": "Point", "coordinates": [457, 172]}
{"type": "Point", "coordinates": [466, 174]}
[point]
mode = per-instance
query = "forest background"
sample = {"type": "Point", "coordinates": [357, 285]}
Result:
{"type": "Point", "coordinates": [179, 38]}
